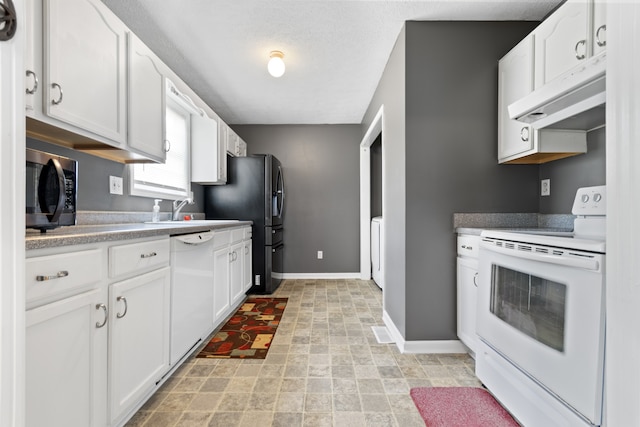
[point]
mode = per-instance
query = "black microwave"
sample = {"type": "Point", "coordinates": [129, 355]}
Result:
{"type": "Point", "coordinates": [52, 187]}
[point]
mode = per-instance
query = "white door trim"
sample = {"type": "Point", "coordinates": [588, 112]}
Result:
{"type": "Point", "coordinates": [12, 188]}
{"type": "Point", "coordinates": [375, 129]}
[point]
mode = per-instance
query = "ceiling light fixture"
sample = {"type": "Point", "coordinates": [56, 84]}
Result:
{"type": "Point", "coordinates": [276, 64]}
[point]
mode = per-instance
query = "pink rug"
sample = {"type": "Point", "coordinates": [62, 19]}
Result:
{"type": "Point", "coordinates": [460, 407]}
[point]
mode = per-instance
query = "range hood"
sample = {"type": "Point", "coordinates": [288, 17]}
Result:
{"type": "Point", "coordinates": [574, 100]}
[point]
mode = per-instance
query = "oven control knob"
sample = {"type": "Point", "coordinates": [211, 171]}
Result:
{"type": "Point", "coordinates": [585, 198]}
{"type": "Point", "coordinates": [597, 197]}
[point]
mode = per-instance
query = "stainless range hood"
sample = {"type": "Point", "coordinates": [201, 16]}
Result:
{"type": "Point", "coordinates": [575, 100]}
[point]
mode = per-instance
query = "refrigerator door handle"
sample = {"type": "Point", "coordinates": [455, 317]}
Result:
{"type": "Point", "coordinates": [280, 191]}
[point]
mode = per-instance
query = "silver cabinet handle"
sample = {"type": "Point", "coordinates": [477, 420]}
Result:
{"type": "Point", "coordinates": [149, 255]}
{"type": "Point", "coordinates": [59, 100]}
{"type": "Point", "coordinates": [167, 145]}
{"type": "Point", "coordinates": [106, 315]}
{"type": "Point", "coordinates": [35, 82]}
{"type": "Point", "coordinates": [246, 250]}
{"type": "Point", "coordinates": [126, 307]}
{"type": "Point", "coordinates": [58, 275]}
{"type": "Point", "coordinates": [230, 256]}
{"type": "Point", "coordinates": [467, 247]}
{"type": "Point", "coordinates": [475, 276]}
{"type": "Point", "coordinates": [600, 42]}
{"type": "Point", "coordinates": [524, 133]}
{"type": "Point", "coordinates": [579, 55]}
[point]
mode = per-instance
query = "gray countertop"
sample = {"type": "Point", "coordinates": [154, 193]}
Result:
{"type": "Point", "coordinates": [82, 234]}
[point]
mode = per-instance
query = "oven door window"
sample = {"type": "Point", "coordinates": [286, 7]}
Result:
{"type": "Point", "coordinates": [531, 304]}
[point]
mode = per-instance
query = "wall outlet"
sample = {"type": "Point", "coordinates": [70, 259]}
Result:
{"type": "Point", "coordinates": [115, 185]}
{"type": "Point", "coordinates": [320, 255]}
{"type": "Point", "coordinates": [545, 187]}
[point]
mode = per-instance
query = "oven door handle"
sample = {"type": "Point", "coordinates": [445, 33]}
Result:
{"type": "Point", "coordinates": [583, 263]}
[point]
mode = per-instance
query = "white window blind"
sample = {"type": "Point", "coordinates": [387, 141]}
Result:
{"type": "Point", "coordinates": [170, 180]}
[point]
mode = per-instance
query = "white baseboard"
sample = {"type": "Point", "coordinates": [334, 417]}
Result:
{"type": "Point", "coordinates": [319, 275]}
{"type": "Point", "coordinates": [426, 346]}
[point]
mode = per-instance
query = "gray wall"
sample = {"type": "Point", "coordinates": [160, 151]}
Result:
{"type": "Point", "coordinates": [321, 165]}
{"type": "Point", "coordinates": [448, 159]}
{"type": "Point", "coordinates": [391, 93]}
{"type": "Point", "coordinates": [93, 184]}
{"type": "Point", "coordinates": [567, 175]}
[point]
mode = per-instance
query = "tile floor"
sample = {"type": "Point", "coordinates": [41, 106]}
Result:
{"type": "Point", "coordinates": [324, 368]}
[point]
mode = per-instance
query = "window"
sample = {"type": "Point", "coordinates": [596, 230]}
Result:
{"type": "Point", "coordinates": [171, 180]}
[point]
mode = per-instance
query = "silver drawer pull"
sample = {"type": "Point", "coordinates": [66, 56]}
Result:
{"type": "Point", "coordinates": [126, 307]}
{"type": "Point", "coordinates": [106, 315]}
{"type": "Point", "coordinates": [467, 247]}
{"type": "Point", "coordinates": [59, 275]}
{"type": "Point", "coordinates": [149, 255]}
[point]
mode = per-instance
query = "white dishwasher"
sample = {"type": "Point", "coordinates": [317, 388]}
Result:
{"type": "Point", "coordinates": [191, 291]}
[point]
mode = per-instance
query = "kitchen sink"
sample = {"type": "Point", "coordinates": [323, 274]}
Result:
{"type": "Point", "coordinates": [195, 222]}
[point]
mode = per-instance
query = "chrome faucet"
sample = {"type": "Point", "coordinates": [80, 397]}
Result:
{"type": "Point", "coordinates": [177, 206]}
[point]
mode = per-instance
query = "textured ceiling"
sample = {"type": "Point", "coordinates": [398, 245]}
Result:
{"type": "Point", "coordinates": [335, 51]}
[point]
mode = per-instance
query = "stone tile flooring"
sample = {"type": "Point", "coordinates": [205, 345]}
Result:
{"type": "Point", "coordinates": [324, 368]}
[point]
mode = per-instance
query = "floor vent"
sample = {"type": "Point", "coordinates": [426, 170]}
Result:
{"type": "Point", "coordinates": [382, 334]}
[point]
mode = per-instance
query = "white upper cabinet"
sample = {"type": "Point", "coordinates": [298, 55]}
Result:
{"type": "Point", "coordinates": [85, 72]}
{"type": "Point", "coordinates": [599, 29]}
{"type": "Point", "coordinates": [32, 60]}
{"type": "Point", "coordinates": [572, 34]}
{"type": "Point", "coordinates": [146, 100]}
{"type": "Point", "coordinates": [515, 77]}
{"type": "Point", "coordinates": [208, 152]}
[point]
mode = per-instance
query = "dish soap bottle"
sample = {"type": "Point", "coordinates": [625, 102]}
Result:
{"type": "Point", "coordinates": [155, 217]}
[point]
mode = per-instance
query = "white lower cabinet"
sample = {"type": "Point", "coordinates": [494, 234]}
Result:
{"type": "Point", "coordinates": [65, 364]}
{"type": "Point", "coordinates": [98, 324]}
{"type": "Point", "coordinates": [138, 338]}
{"type": "Point", "coordinates": [65, 337]}
{"type": "Point", "coordinates": [247, 273]}
{"type": "Point", "coordinates": [236, 269]}
{"type": "Point", "coordinates": [232, 252]}
{"type": "Point", "coordinates": [467, 290]}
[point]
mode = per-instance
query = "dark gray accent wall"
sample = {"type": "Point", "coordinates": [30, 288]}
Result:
{"type": "Point", "coordinates": [93, 184]}
{"type": "Point", "coordinates": [448, 158]}
{"type": "Point", "coordinates": [567, 175]}
{"type": "Point", "coordinates": [321, 167]}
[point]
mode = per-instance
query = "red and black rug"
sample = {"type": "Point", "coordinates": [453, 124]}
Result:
{"type": "Point", "coordinates": [248, 333]}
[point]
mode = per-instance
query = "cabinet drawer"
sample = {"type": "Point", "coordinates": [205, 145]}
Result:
{"type": "Point", "coordinates": [469, 246]}
{"type": "Point", "coordinates": [221, 238]}
{"type": "Point", "coordinates": [138, 257]}
{"type": "Point", "coordinates": [60, 275]}
{"type": "Point", "coordinates": [237, 235]}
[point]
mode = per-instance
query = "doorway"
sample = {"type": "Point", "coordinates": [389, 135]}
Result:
{"type": "Point", "coordinates": [371, 189]}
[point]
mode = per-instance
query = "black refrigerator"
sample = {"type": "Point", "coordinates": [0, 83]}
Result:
{"type": "Point", "coordinates": [255, 192]}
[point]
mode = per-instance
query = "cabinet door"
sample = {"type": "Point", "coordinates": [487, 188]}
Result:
{"type": "Point", "coordinates": [85, 67]}
{"type": "Point", "coordinates": [247, 274]}
{"type": "Point", "coordinates": [65, 363]}
{"type": "Point", "coordinates": [223, 133]}
{"type": "Point", "coordinates": [221, 293]}
{"type": "Point", "coordinates": [599, 26]}
{"type": "Point", "coordinates": [562, 41]}
{"type": "Point", "coordinates": [467, 289]}
{"type": "Point", "coordinates": [146, 101]}
{"type": "Point", "coordinates": [515, 80]}
{"type": "Point", "coordinates": [208, 161]}
{"type": "Point", "coordinates": [138, 338]}
{"type": "Point", "coordinates": [236, 269]}
{"type": "Point", "coordinates": [33, 57]}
